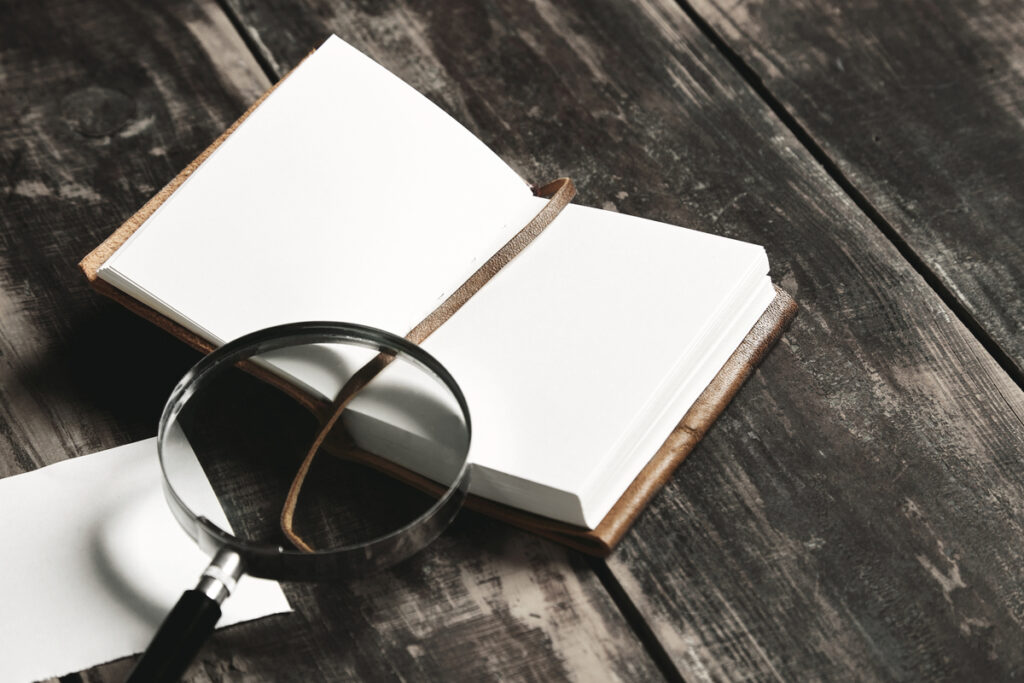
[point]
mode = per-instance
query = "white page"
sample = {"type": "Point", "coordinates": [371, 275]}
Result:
{"type": "Point", "coordinates": [346, 196]}
{"type": "Point", "coordinates": [94, 560]}
{"type": "Point", "coordinates": [561, 353]}
{"type": "Point", "coordinates": [602, 495]}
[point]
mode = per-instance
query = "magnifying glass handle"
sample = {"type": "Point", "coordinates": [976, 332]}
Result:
{"type": "Point", "coordinates": [179, 639]}
{"type": "Point", "coordinates": [189, 624]}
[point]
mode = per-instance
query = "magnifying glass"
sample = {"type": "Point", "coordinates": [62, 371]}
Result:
{"type": "Point", "coordinates": [242, 480]}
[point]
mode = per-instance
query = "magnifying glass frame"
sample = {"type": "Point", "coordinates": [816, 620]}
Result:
{"type": "Point", "coordinates": [194, 617]}
{"type": "Point", "coordinates": [270, 561]}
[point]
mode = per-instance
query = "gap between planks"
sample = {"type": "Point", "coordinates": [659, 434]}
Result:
{"type": "Point", "coordinates": [636, 621]}
{"type": "Point", "coordinates": [250, 44]}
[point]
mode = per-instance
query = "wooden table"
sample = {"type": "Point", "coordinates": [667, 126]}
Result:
{"type": "Point", "coordinates": [857, 513]}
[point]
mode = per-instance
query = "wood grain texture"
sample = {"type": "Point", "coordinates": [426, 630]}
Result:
{"type": "Point", "coordinates": [92, 123]}
{"type": "Point", "coordinates": [482, 603]}
{"type": "Point", "coordinates": [102, 104]}
{"type": "Point", "coordinates": [858, 511]}
{"type": "Point", "coordinates": [921, 106]}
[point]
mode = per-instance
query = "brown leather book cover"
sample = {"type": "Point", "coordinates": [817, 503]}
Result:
{"type": "Point", "coordinates": [600, 541]}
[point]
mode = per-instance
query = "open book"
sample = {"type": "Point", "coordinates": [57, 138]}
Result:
{"type": "Point", "coordinates": [346, 195]}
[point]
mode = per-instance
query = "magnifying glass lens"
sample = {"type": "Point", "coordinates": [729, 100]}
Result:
{"type": "Point", "coordinates": [237, 454]}
{"type": "Point", "coordinates": [307, 451]}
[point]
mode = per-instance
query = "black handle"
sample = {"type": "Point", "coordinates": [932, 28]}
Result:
{"type": "Point", "coordinates": [179, 639]}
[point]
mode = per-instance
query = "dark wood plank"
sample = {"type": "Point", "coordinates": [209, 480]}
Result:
{"type": "Point", "coordinates": [101, 106]}
{"type": "Point", "coordinates": [92, 122]}
{"type": "Point", "coordinates": [920, 106]}
{"type": "Point", "coordinates": [858, 511]}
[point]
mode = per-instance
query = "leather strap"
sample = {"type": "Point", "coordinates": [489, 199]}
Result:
{"type": "Point", "coordinates": [560, 193]}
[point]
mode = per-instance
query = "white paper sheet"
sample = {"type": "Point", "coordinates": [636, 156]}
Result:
{"type": "Point", "coordinates": [92, 562]}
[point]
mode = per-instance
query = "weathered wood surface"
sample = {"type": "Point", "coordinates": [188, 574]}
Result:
{"type": "Point", "coordinates": [921, 106]}
{"type": "Point", "coordinates": [858, 512]}
{"type": "Point", "coordinates": [101, 105]}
